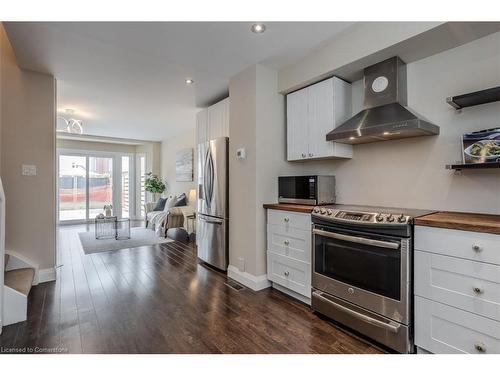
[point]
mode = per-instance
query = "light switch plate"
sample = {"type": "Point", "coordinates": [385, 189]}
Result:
{"type": "Point", "coordinates": [29, 170]}
{"type": "Point", "coordinates": [241, 154]}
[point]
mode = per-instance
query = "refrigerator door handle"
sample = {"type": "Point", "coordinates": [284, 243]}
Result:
{"type": "Point", "coordinates": [209, 178]}
{"type": "Point", "coordinates": [209, 221]}
{"type": "Point", "coordinates": [205, 178]}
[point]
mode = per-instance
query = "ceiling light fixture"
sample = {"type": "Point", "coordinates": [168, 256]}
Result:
{"type": "Point", "coordinates": [258, 28]}
{"type": "Point", "coordinates": [189, 81]}
{"type": "Point", "coordinates": [73, 126]}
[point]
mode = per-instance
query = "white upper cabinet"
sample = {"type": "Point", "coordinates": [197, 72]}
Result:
{"type": "Point", "coordinates": [218, 119]}
{"type": "Point", "coordinates": [201, 126]}
{"type": "Point", "coordinates": [213, 122]}
{"type": "Point", "coordinates": [313, 112]}
{"type": "Point", "coordinates": [297, 143]}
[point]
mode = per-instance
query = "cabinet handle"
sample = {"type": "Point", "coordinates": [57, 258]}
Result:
{"type": "Point", "coordinates": [477, 248]}
{"type": "Point", "coordinates": [286, 273]}
{"type": "Point", "coordinates": [480, 347]}
{"type": "Point", "coordinates": [286, 219]}
{"type": "Point", "coordinates": [477, 290]}
{"type": "Point", "coordinates": [286, 242]}
{"type": "Point", "coordinates": [303, 156]}
{"type": "Point", "coordinates": [311, 154]}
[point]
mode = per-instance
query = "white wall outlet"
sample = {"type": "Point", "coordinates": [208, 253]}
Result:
{"type": "Point", "coordinates": [241, 154]}
{"type": "Point", "coordinates": [29, 170]}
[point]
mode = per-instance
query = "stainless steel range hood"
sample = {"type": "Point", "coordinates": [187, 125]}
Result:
{"type": "Point", "coordinates": [385, 115]}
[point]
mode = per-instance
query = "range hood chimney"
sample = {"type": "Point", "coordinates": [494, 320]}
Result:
{"type": "Point", "coordinates": [385, 115]}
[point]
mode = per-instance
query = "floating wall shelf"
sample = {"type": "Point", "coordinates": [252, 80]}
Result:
{"type": "Point", "coordinates": [459, 167]}
{"type": "Point", "coordinates": [474, 98]}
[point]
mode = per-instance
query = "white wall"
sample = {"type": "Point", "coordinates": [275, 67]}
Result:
{"type": "Point", "coordinates": [70, 144]}
{"type": "Point", "coordinates": [28, 137]}
{"type": "Point", "coordinates": [169, 148]}
{"type": "Point", "coordinates": [411, 172]}
{"type": "Point", "coordinates": [242, 173]}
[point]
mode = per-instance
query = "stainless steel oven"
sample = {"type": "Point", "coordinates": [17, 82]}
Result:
{"type": "Point", "coordinates": [362, 271]}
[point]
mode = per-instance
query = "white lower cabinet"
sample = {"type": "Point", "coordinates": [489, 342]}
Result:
{"type": "Point", "coordinates": [444, 329]}
{"type": "Point", "coordinates": [457, 292]}
{"type": "Point", "coordinates": [467, 285]}
{"type": "Point", "coordinates": [289, 242]}
{"type": "Point", "coordinates": [289, 252]}
{"type": "Point", "coordinates": [290, 273]}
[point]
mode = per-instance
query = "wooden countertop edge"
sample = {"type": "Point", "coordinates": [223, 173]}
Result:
{"type": "Point", "coordinates": [463, 221]}
{"type": "Point", "coordinates": [289, 207]}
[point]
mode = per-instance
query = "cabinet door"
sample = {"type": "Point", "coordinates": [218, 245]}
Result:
{"type": "Point", "coordinates": [297, 129]}
{"type": "Point", "coordinates": [218, 119]}
{"type": "Point", "coordinates": [201, 126]}
{"type": "Point", "coordinates": [225, 118]}
{"type": "Point", "coordinates": [320, 119]}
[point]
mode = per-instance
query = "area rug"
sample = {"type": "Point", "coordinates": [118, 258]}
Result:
{"type": "Point", "coordinates": [138, 237]}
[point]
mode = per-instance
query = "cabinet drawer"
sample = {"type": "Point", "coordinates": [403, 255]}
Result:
{"type": "Point", "coordinates": [468, 285]}
{"type": "Point", "coordinates": [290, 273]}
{"type": "Point", "coordinates": [290, 242]}
{"type": "Point", "coordinates": [482, 247]}
{"type": "Point", "coordinates": [444, 329]}
{"type": "Point", "coordinates": [289, 219]}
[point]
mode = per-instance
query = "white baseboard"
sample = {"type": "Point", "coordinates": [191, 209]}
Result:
{"type": "Point", "coordinates": [247, 279]}
{"type": "Point", "coordinates": [292, 294]}
{"type": "Point", "coordinates": [45, 275]}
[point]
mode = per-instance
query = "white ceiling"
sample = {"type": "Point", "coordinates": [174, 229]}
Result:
{"type": "Point", "coordinates": [127, 79]}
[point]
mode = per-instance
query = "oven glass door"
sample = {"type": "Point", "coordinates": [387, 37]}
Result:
{"type": "Point", "coordinates": [368, 262]}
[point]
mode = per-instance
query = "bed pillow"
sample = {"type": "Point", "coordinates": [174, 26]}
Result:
{"type": "Point", "coordinates": [160, 205]}
{"type": "Point", "coordinates": [181, 200]}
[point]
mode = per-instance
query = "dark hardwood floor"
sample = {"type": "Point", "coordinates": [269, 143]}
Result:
{"type": "Point", "coordinates": [159, 299]}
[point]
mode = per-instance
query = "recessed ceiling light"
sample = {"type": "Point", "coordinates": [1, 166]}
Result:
{"type": "Point", "coordinates": [258, 28]}
{"type": "Point", "coordinates": [352, 138]}
{"type": "Point", "coordinates": [386, 133]}
{"type": "Point", "coordinates": [189, 81]}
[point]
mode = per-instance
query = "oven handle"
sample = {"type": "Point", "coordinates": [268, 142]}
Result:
{"type": "Point", "coordinates": [361, 240]}
{"type": "Point", "coordinates": [393, 327]}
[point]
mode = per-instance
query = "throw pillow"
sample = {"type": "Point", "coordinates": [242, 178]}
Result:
{"type": "Point", "coordinates": [170, 202]}
{"type": "Point", "coordinates": [181, 200]}
{"type": "Point", "coordinates": [160, 205]}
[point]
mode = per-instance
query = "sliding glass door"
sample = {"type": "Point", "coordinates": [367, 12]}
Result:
{"type": "Point", "coordinates": [72, 187]}
{"type": "Point", "coordinates": [100, 179]}
{"type": "Point", "coordinates": [89, 181]}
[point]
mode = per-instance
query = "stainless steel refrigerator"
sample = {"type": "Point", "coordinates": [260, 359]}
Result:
{"type": "Point", "coordinates": [212, 217]}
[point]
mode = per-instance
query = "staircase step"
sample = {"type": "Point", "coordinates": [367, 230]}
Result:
{"type": "Point", "coordinates": [20, 279]}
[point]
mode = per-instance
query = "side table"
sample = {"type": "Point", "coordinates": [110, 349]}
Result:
{"type": "Point", "coordinates": [105, 227]}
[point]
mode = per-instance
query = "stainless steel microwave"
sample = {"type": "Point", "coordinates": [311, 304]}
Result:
{"type": "Point", "coordinates": [311, 190]}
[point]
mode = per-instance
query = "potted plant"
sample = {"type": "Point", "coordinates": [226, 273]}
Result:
{"type": "Point", "coordinates": [154, 185]}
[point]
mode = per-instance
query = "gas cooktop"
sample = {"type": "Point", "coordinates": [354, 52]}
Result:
{"type": "Point", "coordinates": [368, 214]}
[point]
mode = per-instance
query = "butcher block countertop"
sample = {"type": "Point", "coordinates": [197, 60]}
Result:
{"type": "Point", "coordinates": [289, 207]}
{"type": "Point", "coordinates": [462, 221]}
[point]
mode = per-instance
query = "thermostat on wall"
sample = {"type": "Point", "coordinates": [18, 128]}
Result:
{"type": "Point", "coordinates": [241, 153]}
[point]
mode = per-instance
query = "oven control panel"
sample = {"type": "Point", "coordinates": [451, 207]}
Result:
{"type": "Point", "coordinates": [356, 216]}
{"type": "Point", "coordinates": [361, 217]}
